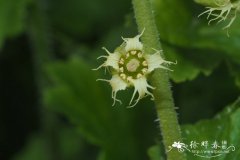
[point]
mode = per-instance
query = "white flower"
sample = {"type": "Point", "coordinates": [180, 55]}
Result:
{"type": "Point", "coordinates": [130, 66]}
{"type": "Point", "coordinates": [222, 11]}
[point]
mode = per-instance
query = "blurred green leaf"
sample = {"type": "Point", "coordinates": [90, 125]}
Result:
{"type": "Point", "coordinates": [201, 43]}
{"type": "Point", "coordinates": [155, 153]}
{"type": "Point", "coordinates": [87, 104]}
{"type": "Point", "coordinates": [183, 70]}
{"type": "Point", "coordinates": [199, 99]}
{"type": "Point", "coordinates": [68, 146]}
{"type": "Point", "coordinates": [172, 29]}
{"type": "Point", "coordinates": [223, 127]}
{"type": "Point", "coordinates": [12, 16]}
{"type": "Point", "coordinates": [235, 71]}
{"type": "Point", "coordinates": [209, 3]}
{"type": "Point", "coordinates": [190, 63]}
{"type": "Point", "coordinates": [86, 19]}
{"type": "Point", "coordinates": [36, 149]}
{"type": "Point", "coordinates": [78, 95]}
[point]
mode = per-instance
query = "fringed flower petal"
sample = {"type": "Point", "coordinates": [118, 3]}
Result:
{"type": "Point", "coordinates": [156, 61]}
{"type": "Point", "coordinates": [133, 43]}
{"type": "Point", "coordinates": [141, 86]}
{"type": "Point", "coordinates": [222, 12]}
{"type": "Point", "coordinates": [111, 60]}
{"type": "Point", "coordinates": [117, 84]}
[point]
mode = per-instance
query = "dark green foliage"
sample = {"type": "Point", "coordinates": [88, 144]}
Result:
{"type": "Point", "coordinates": [87, 104]}
{"type": "Point", "coordinates": [12, 18]}
{"type": "Point", "coordinates": [224, 126]}
{"type": "Point", "coordinates": [197, 46]}
{"type": "Point", "coordinates": [77, 118]}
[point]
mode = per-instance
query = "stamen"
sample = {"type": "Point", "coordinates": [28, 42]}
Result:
{"type": "Point", "coordinates": [129, 78]}
{"type": "Point", "coordinates": [123, 76]}
{"type": "Point", "coordinates": [144, 63]}
{"type": "Point", "coordinates": [140, 55]}
{"type": "Point", "coordinates": [121, 69]}
{"type": "Point", "coordinates": [133, 52]}
{"type": "Point", "coordinates": [121, 61]}
{"type": "Point", "coordinates": [144, 70]}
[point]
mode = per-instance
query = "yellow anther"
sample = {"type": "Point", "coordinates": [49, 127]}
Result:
{"type": "Point", "coordinates": [133, 52]}
{"type": "Point", "coordinates": [144, 70]}
{"type": "Point", "coordinates": [121, 61]}
{"type": "Point", "coordinates": [129, 78]}
{"type": "Point", "coordinates": [121, 69]}
{"type": "Point", "coordinates": [144, 63]}
{"type": "Point", "coordinates": [123, 76]}
{"type": "Point", "coordinates": [140, 55]}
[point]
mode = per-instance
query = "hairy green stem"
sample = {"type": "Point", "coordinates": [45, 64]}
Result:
{"type": "Point", "coordinates": [169, 126]}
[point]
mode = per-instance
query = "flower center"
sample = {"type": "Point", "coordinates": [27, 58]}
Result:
{"type": "Point", "coordinates": [132, 65]}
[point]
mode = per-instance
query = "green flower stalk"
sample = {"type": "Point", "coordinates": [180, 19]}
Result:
{"type": "Point", "coordinates": [169, 126]}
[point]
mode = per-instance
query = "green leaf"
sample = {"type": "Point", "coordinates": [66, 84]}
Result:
{"type": "Point", "coordinates": [189, 64]}
{"type": "Point", "coordinates": [183, 70]}
{"type": "Point", "coordinates": [214, 38]}
{"type": "Point", "coordinates": [192, 35]}
{"type": "Point", "coordinates": [210, 3]}
{"type": "Point", "coordinates": [72, 18]}
{"type": "Point", "coordinates": [234, 70]}
{"type": "Point", "coordinates": [88, 105]}
{"type": "Point", "coordinates": [155, 153]}
{"type": "Point", "coordinates": [12, 15]}
{"type": "Point", "coordinates": [224, 126]}
{"type": "Point", "coordinates": [172, 29]}
{"type": "Point", "coordinates": [67, 144]}
{"type": "Point", "coordinates": [77, 94]}
{"type": "Point", "coordinates": [191, 31]}
{"type": "Point", "coordinates": [36, 149]}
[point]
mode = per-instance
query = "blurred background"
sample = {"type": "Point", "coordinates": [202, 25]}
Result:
{"type": "Point", "coordinates": [51, 107]}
